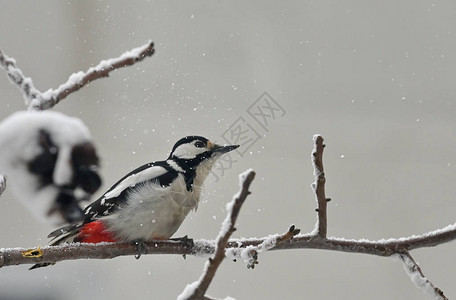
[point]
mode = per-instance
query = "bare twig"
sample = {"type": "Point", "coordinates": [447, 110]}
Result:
{"type": "Point", "coordinates": [416, 275]}
{"type": "Point", "coordinates": [198, 289]}
{"type": "Point", "coordinates": [41, 101]}
{"type": "Point", "coordinates": [249, 252]}
{"type": "Point", "coordinates": [287, 236]}
{"type": "Point", "coordinates": [319, 186]}
{"type": "Point", "coordinates": [380, 248]}
{"type": "Point", "coordinates": [2, 184]}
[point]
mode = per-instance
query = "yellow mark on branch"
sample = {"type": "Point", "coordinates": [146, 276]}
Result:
{"type": "Point", "coordinates": [32, 253]}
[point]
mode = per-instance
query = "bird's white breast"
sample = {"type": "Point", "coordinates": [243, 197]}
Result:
{"type": "Point", "coordinates": [152, 211]}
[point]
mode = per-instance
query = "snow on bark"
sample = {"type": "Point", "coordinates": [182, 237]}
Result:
{"type": "Point", "coordinates": [415, 273]}
{"type": "Point", "coordinates": [79, 79]}
{"type": "Point", "coordinates": [197, 289]}
{"type": "Point", "coordinates": [37, 100]}
{"type": "Point", "coordinates": [17, 77]}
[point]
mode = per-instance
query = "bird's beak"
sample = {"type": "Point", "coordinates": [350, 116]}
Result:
{"type": "Point", "coordinates": [223, 149]}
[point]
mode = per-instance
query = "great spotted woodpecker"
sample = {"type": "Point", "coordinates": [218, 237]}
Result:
{"type": "Point", "coordinates": [51, 163]}
{"type": "Point", "coordinates": [149, 203]}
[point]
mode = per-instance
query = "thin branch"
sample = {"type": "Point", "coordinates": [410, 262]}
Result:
{"type": "Point", "coordinates": [319, 186]}
{"type": "Point", "coordinates": [379, 248]}
{"type": "Point", "coordinates": [2, 184]}
{"type": "Point", "coordinates": [287, 236]}
{"type": "Point", "coordinates": [250, 252]}
{"type": "Point", "coordinates": [17, 77]}
{"type": "Point", "coordinates": [40, 101]}
{"type": "Point", "coordinates": [198, 289]}
{"type": "Point", "coordinates": [80, 79]}
{"type": "Point", "coordinates": [52, 254]}
{"type": "Point", "coordinates": [416, 275]}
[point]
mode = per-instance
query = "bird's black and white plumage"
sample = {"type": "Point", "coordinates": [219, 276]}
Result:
{"type": "Point", "coordinates": [150, 202]}
{"type": "Point", "coordinates": [51, 163]}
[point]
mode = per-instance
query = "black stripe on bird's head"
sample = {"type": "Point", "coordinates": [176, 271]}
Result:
{"type": "Point", "coordinates": [192, 150]}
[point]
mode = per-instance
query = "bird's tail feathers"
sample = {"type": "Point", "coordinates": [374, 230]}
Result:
{"type": "Point", "coordinates": [62, 235]}
{"type": "Point", "coordinates": [65, 230]}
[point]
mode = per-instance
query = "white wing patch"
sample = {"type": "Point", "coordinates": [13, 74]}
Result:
{"type": "Point", "coordinates": [134, 179]}
{"type": "Point", "coordinates": [175, 166]}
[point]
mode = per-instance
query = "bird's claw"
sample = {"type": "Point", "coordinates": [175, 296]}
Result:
{"type": "Point", "coordinates": [184, 239]}
{"type": "Point", "coordinates": [141, 248]}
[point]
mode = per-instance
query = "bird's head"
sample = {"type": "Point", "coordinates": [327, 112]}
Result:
{"type": "Point", "coordinates": [193, 150]}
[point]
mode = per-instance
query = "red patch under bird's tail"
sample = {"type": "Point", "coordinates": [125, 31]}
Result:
{"type": "Point", "coordinates": [94, 232]}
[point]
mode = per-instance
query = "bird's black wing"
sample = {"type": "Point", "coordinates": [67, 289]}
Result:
{"type": "Point", "coordinates": [160, 172]}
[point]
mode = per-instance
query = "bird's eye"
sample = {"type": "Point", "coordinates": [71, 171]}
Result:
{"type": "Point", "coordinates": [200, 144]}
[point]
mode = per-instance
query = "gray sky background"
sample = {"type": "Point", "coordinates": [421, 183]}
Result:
{"type": "Point", "coordinates": [375, 78]}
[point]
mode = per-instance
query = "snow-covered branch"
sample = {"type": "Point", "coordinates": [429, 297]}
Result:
{"type": "Point", "coordinates": [248, 249]}
{"type": "Point", "coordinates": [197, 289]}
{"type": "Point", "coordinates": [17, 77]}
{"type": "Point", "coordinates": [53, 254]}
{"type": "Point", "coordinates": [13, 256]}
{"type": "Point", "coordinates": [239, 249]}
{"type": "Point", "coordinates": [416, 275]}
{"type": "Point", "coordinates": [37, 100]}
{"type": "Point", "coordinates": [389, 247]}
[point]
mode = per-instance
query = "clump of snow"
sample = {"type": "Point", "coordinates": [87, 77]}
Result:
{"type": "Point", "coordinates": [226, 225]}
{"type": "Point", "coordinates": [246, 253]}
{"type": "Point", "coordinates": [188, 291]}
{"type": "Point", "coordinates": [134, 53]}
{"type": "Point", "coordinates": [190, 288]}
{"type": "Point", "coordinates": [232, 253]}
{"type": "Point", "coordinates": [242, 178]}
{"type": "Point", "coordinates": [34, 103]}
{"type": "Point", "coordinates": [269, 243]}
{"type": "Point", "coordinates": [200, 247]}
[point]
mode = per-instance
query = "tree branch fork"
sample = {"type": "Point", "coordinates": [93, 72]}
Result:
{"type": "Point", "coordinates": [234, 247]}
{"type": "Point", "coordinates": [222, 247]}
{"type": "Point", "coordinates": [248, 249]}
